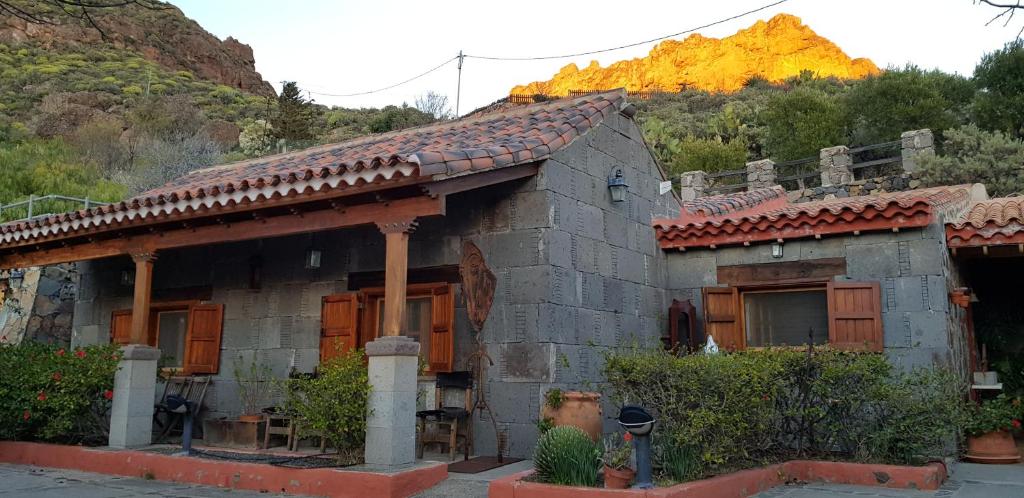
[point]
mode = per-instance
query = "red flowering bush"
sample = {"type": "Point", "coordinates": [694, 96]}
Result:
{"type": "Point", "coordinates": [1000, 414]}
{"type": "Point", "coordinates": [51, 395]}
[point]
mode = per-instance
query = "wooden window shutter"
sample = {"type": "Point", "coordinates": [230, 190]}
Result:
{"type": "Point", "coordinates": [855, 316]}
{"type": "Point", "coordinates": [202, 342]}
{"type": "Point", "coordinates": [722, 317]}
{"type": "Point", "coordinates": [442, 329]}
{"type": "Point", "coordinates": [339, 322]}
{"type": "Point", "coordinates": [121, 326]}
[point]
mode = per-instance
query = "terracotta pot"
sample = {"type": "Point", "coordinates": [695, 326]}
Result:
{"type": "Point", "coordinates": [581, 409]}
{"type": "Point", "coordinates": [250, 418]}
{"type": "Point", "coordinates": [618, 478]}
{"type": "Point", "coordinates": [992, 447]}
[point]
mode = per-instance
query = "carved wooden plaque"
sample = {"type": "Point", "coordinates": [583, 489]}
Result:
{"type": "Point", "coordinates": [478, 283]}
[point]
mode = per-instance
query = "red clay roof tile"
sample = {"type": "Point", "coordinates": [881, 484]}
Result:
{"type": "Point", "coordinates": [433, 152]}
{"type": "Point", "coordinates": [766, 215]}
{"type": "Point", "coordinates": [991, 222]}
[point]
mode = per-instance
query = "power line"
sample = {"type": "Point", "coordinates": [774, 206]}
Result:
{"type": "Point", "coordinates": [461, 57]}
{"type": "Point", "coordinates": [673, 35]}
{"type": "Point", "coordinates": [368, 92]}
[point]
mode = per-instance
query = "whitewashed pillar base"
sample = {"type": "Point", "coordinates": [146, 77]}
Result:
{"type": "Point", "coordinates": [131, 416]}
{"type": "Point", "coordinates": [391, 424]}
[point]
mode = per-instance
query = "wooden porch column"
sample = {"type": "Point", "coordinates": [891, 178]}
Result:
{"type": "Point", "coordinates": [396, 269]}
{"type": "Point", "coordinates": [143, 294]}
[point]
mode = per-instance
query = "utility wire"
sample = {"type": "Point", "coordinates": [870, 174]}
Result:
{"type": "Point", "coordinates": [462, 56]}
{"type": "Point", "coordinates": [673, 35]}
{"type": "Point", "coordinates": [368, 92]}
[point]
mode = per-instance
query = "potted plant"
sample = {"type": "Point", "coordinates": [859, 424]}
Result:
{"type": "Point", "coordinates": [255, 388]}
{"type": "Point", "coordinates": [577, 408]}
{"type": "Point", "coordinates": [989, 431]}
{"type": "Point", "coordinates": [617, 453]}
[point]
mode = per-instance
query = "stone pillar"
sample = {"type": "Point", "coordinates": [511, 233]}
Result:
{"type": "Point", "coordinates": [692, 185]}
{"type": "Point", "coordinates": [131, 416]}
{"type": "Point", "coordinates": [916, 143]}
{"type": "Point", "coordinates": [835, 166]}
{"type": "Point", "coordinates": [761, 174]}
{"type": "Point", "coordinates": [391, 423]}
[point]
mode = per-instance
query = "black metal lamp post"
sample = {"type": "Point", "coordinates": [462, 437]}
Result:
{"type": "Point", "coordinates": [178, 404]}
{"type": "Point", "coordinates": [639, 423]}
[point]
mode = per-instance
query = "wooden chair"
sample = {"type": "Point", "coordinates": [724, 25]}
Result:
{"type": "Point", "coordinates": [192, 389]}
{"type": "Point", "coordinates": [441, 425]}
{"type": "Point", "coordinates": [280, 425]}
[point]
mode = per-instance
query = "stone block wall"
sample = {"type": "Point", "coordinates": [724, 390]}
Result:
{"type": "Point", "coordinates": [892, 183]}
{"type": "Point", "coordinates": [912, 268]}
{"type": "Point", "coordinates": [42, 308]}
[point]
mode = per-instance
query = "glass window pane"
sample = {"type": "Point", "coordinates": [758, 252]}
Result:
{"type": "Point", "coordinates": [173, 326]}
{"type": "Point", "coordinates": [786, 318]}
{"type": "Point", "coordinates": [417, 321]}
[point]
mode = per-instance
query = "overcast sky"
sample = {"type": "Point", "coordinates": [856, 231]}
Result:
{"type": "Point", "coordinates": [348, 46]}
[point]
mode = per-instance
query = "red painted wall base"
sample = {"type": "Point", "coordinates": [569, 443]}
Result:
{"type": "Point", "coordinates": [235, 475]}
{"type": "Point", "coordinates": [743, 483]}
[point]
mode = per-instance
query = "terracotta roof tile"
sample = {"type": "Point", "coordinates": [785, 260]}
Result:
{"type": "Point", "coordinates": [429, 153]}
{"type": "Point", "coordinates": [991, 222]}
{"type": "Point", "coordinates": [766, 215]}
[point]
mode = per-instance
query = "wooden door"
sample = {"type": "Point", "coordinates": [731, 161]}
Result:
{"type": "Point", "coordinates": [339, 325]}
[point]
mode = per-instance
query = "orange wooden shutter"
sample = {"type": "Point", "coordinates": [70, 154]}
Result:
{"type": "Point", "coordinates": [121, 326]}
{"type": "Point", "coordinates": [722, 317]}
{"type": "Point", "coordinates": [855, 316]}
{"type": "Point", "coordinates": [339, 320]}
{"type": "Point", "coordinates": [442, 329]}
{"type": "Point", "coordinates": [202, 344]}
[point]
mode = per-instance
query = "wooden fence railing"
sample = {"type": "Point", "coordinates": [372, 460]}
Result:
{"type": "Point", "coordinates": [36, 206]}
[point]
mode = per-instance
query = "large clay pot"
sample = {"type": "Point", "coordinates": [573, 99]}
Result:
{"type": "Point", "coordinates": [581, 409]}
{"type": "Point", "coordinates": [993, 447]}
{"type": "Point", "coordinates": [618, 478]}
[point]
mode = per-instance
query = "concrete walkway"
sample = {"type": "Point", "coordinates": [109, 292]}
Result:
{"type": "Point", "coordinates": [472, 485]}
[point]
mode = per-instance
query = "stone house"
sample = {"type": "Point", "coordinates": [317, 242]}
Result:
{"type": "Point", "coordinates": [278, 258]}
{"type": "Point", "coordinates": [283, 258]}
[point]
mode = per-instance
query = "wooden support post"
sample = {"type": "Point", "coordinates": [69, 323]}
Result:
{"type": "Point", "coordinates": [396, 269]}
{"type": "Point", "coordinates": [143, 293]}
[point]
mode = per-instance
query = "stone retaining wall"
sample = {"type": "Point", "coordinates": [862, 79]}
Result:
{"type": "Point", "coordinates": [879, 185]}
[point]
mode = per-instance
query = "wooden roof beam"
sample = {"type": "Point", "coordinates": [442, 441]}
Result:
{"type": "Point", "coordinates": [275, 226]}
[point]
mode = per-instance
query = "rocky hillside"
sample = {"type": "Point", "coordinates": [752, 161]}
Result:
{"type": "Point", "coordinates": [773, 50]}
{"type": "Point", "coordinates": [164, 36]}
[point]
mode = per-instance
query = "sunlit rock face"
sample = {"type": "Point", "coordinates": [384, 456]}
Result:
{"type": "Point", "coordinates": [774, 50]}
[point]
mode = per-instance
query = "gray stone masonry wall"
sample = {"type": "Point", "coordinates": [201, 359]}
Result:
{"type": "Point", "coordinates": [914, 144]}
{"type": "Point", "coordinates": [913, 269]}
{"type": "Point", "coordinates": [893, 183]}
{"type": "Point", "coordinates": [760, 174]}
{"type": "Point", "coordinates": [693, 184]}
{"type": "Point", "coordinates": [576, 272]}
{"type": "Point", "coordinates": [835, 165]}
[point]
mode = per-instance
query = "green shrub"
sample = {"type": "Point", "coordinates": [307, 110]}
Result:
{"type": "Point", "coordinates": [972, 155]}
{"type": "Point", "coordinates": [755, 407]}
{"type": "Point", "coordinates": [566, 455]}
{"type": "Point", "coordinates": [56, 394]}
{"type": "Point", "coordinates": [333, 404]}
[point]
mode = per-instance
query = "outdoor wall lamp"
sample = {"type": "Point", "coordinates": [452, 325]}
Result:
{"type": "Point", "coordinates": [127, 277]}
{"type": "Point", "coordinates": [313, 259]}
{"type": "Point", "coordinates": [617, 186]}
{"type": "Point", "coordinates": [776, 250]}
{"type": "Point", "coordinates": [17, 278]}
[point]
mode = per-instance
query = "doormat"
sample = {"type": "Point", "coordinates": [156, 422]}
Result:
{"type": "Point", "coordinates": [479, 464]}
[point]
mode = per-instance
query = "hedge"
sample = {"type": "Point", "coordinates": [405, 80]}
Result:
{"type": "Point", "coordinates": [751, 408]}
{"type": "Point", "coordinates": [57, 394]}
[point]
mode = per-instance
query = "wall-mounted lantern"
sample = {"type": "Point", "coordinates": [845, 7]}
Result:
{"type": "Point", "coordinates": [617, 186]}
{"type": "Point", "coordinates": [17, 278]}
{"type": "Point", "coordinates": [776, 250]}
{"type": "Point", "coordinates": [128, 277]}
{"type": "Point", "coordinates": [313, 259]}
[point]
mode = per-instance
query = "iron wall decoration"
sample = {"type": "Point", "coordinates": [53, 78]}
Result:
{"type": "Point", "coordinates": [478, 283]}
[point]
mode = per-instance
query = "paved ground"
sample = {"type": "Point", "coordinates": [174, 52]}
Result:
{"type": "Point", "coordinates": [967, 481]}
{"type": "Point", "coordinates": [34, 482]}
